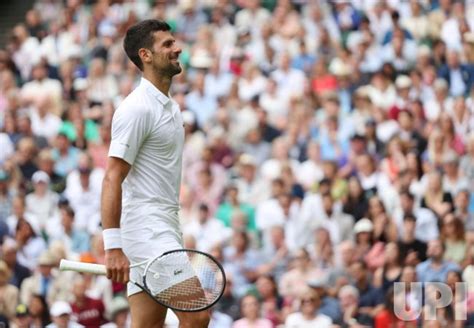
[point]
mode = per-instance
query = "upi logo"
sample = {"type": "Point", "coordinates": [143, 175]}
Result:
{"type": "Point", "coordinates": [412, 300]}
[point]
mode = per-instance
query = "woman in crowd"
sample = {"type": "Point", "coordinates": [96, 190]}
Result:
{"type": "Point", "coordinates": [385, 229]}
{"type": "Point", "coordinates": [272, 303]}
{"type": "Point", "coordinates": [355, 203]}
{"type": "Point", "coordinates": [435, 198]}
{"type": "Point", "coordinates": [452, 235]}
{"type": "Point", "coordinates": [251, 317]}
{"type": "Point", "coordinates": [391, 270]}
{"type": "Point", "coordinates": [39, 311]}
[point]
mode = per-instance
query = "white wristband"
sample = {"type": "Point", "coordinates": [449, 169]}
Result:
{"type": "Point", "coordinates": [112, 238]}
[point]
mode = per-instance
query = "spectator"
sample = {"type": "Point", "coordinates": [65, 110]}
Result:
{"type": "Point", "coordinates": [426, 223]}
{"type": "Point", "coordinates": [355, 203]}
{"type": "Point", "coordinates": [386, 276]}
{"type": "Point", "coordinates": [76, 241]}
{"type": "Point", "coordinates": [61, 314]}
{"type": "Point", "coordinates": [29, 241]}
{"type": "Point", "coordinates": [308, 316]}
{"type": "Point", "coordinates": [45, 281]}
{"type": "Point", "coordinates": [453, 237]}
{"type": "Point", "coordinates": [86, 311]}
{"type": "Point", "coordinates": [412, 250]}
{"type": "Point", "coordinates": [65, 155]}
{"type": "Point", "coordinates": [250, 309]}
{"type": "Point", "coordinates": [207, 231]}
{"type": "Point", "coordinates": [6, 196]}
{"type": "Point", "coordinates": [57, 183]}
{"type": "Point", "coordinates": [42, 203]}
{"type": "Point", "coordinates": [459, 77]}
{"type": "Point", "coordinates": [22, 317]}
{"type": "Point", "coordinates": [370, 297]}
{"type": "Point", "coordinates": [329, 306]}
{"type": "Point", "coordinates": [242, 262]}
{"type": "Point", "coordinates": [39, 311]}
{"type": "Point", "coordinates": [119, 313]}
{"type": "Point", "coordinates": [435, 268]}
{"type": "Point", "coordinates": [387, 317]}
{"type": "Point", "coordinates": [83, 188]}
{"type": "Point", "coordinates": [294, 281]}
{"type": "Point", "coordinates": [9, 293]}
{"type": "Point", "coordinates": [18, 271]}
{"type": "Point", "coordinates": [232, 204]}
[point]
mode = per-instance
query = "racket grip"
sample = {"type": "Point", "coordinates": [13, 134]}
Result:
{"type": "Point", "coordinates": [66, 265]}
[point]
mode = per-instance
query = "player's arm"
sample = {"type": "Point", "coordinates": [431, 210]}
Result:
{"type": "Point", "coordinates": [111, 206]}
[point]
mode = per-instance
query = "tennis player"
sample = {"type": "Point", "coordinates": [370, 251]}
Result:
{"type": "Point", "coordinates": [141, 184]}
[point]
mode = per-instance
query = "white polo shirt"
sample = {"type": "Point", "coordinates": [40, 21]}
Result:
{"type": "Point", "coordinates": [148, 133]}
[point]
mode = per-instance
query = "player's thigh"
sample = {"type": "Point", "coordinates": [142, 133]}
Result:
{"type": "Point", "coordinates": [193, 319]}
{"type": "Point", "coordinates": [145, 312]}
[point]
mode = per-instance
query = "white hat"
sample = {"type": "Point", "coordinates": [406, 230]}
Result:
{"type": "Point", "coordinates": [47, 258]}
{"type": "Point", "coordinates": [363, 225]}
{"type": "Point", "coordinates": [188, 117]}
{"type": "Point", "coordinates": [59, 308]}
{"type": "Point", "coordinates": [403, 82]}
{"type": "Point", "coordinates": [80, 84]}
{"type": "Point", "coordinates": [247, 159]}
{"type": "Point", "coordinates": [40, 176]}
{"type": "Point", "coordinates": [201, 59]}
{"type": "Point", "coordinates": [117, 305]}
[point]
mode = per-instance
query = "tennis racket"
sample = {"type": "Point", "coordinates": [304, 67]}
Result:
{"type": "Point", "coordinates": [183, 280]}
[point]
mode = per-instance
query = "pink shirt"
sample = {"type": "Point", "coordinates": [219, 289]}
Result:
{"type": "Point", "coordinates": [245, 323]}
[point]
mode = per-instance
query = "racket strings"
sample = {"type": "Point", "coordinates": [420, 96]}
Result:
{"type": "Point", "coordinates": [185, 280]}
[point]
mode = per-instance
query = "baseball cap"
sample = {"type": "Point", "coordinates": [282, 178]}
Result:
{"type": "Point", "coordinates": [40, 176]}
{"type": "Point", "coordinates": [60, 308]}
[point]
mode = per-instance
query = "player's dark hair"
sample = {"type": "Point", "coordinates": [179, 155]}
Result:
{"type": "Point", "coordinates": [140, 36]}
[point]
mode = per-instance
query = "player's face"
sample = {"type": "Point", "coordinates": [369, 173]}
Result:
{"type": "Point", "coordinates": [165, 53]}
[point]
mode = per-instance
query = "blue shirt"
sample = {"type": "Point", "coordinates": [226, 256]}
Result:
{"type": "Point", "coordinates": [330, 307]}
{"type": "Point", "coordinates": [426, 273]}
{"type": "Point", "coordinates": [65, 164]}
{"type": "Point", "coordinates": [203, 106]}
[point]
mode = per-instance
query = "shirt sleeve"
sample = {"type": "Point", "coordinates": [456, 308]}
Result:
{"type": "Point", "coordinates": [130, 128]}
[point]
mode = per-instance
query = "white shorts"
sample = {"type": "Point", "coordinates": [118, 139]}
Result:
{"type": "Point", "coordinates": [143, 242]}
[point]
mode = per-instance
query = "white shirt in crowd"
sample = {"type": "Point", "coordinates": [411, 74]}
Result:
{"type": "Point", "coordinates": [86, 203]}
{"type": "Point", "coordinates": [296, 320]}
{"type": "Point", "coordinates": [208, 234]}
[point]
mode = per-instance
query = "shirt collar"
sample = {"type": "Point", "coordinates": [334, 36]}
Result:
{"type": "Point", "coordinates": [152, 90]}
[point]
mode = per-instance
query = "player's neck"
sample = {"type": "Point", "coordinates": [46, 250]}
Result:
{"type": "Point", "coordinates": [162, 83]}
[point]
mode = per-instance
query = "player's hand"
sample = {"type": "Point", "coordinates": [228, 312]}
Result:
{"type": "Point", "coordinates": [117, 265]}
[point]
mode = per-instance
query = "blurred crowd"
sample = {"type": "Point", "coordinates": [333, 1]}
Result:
{"type": "Point", "coordinates": [329, 154]}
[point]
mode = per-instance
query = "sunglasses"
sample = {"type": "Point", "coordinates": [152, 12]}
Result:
{"type": "Point", "coordinates": [308, 300]}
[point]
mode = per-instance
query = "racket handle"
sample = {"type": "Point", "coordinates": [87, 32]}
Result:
{"type": "Point", "coordinates": [66, 265]}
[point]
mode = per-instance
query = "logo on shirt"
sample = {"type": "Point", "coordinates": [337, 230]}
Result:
{"type": "Point", "coordinates": [176, 272]}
